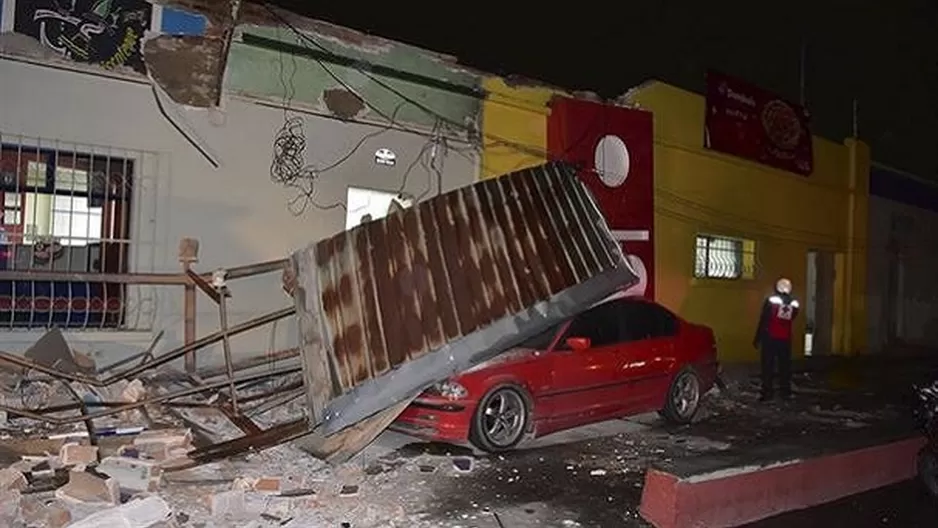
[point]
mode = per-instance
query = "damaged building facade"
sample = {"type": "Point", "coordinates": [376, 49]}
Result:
{"type": "Point", "coordinates": [210, 154]}
{"type": "Point", "coordinates": [105, 172]}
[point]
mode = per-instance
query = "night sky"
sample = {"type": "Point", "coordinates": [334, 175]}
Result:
{"type": "Point", "coordinates": [883, 53]}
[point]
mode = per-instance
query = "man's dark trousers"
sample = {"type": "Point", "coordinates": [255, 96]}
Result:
{"type": "Point", "coordinates": [776, 357]}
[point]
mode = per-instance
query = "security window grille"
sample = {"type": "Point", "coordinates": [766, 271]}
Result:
{"type": "Point", "coordinates": [718, 257]}
{"type": "Point", "coordinates": [63, 211]}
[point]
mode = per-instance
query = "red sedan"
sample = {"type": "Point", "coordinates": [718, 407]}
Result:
{"type": "Point", "coordinates": [623, 357]}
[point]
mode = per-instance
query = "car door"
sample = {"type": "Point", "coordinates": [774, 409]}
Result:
{"type": "Point", "coordinates": [647, 353]}
{"type": "Point", "coordinates": [586, 383]}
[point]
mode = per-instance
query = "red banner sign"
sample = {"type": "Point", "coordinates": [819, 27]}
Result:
{"type": "Point", "coordinates": [746, 121]}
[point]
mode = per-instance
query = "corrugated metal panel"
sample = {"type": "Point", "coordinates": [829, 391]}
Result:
{"type": "Point", "coordinates": [399, 288]}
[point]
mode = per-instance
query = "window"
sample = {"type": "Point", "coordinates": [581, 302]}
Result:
{"type": "Point", "coordinates": [645, 320]}
{"type": "Point", "coordinates": [600, 324]}
{"type": "Point", "coordinates": [364, 205]}
{"type": "Point", "coordinates": [718, 257]}
{"type": "Point", "coordinates": [63, 211]}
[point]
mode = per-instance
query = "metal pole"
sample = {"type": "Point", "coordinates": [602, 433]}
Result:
{"type": "Point", "coordinates": [189, 254]}
{"type": "Point", "coordinates": [218, 281]}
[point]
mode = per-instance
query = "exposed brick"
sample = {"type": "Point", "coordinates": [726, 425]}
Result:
{"type": "Point", "coordinates": [268, 485]}
{"type": "Point", "coordinates": [73, 453]}
{"type": "Point", "coordinates": [163, 444]}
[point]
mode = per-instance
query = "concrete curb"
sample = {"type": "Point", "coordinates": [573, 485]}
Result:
{"type": "Point", "coordinates": [739, 495]}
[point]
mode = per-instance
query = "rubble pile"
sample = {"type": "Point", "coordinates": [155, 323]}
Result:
{"type": "Point", "coordinates": [133, 467]}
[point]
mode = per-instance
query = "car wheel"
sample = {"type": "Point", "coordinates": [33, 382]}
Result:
{"type": "Point", "coordinates": [928, 470]}
{"type": "Point", "coordinates": [683, 400]}
{"type": "Point", "coordinates": [500, 420]}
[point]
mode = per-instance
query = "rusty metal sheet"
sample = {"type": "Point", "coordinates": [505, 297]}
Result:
{"type": "Point", "coordinates": [394, 305]}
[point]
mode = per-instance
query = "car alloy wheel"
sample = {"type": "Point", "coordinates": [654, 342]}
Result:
{"type": "Point", "coordinates": [683, 398]}
{"type": "Point", "coordinates": [500, 419]}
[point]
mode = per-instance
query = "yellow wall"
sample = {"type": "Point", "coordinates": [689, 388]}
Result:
{"type": "Point", "coordinates": [514, 126]}
{"type": "Point", "coordinates": [700, 191]}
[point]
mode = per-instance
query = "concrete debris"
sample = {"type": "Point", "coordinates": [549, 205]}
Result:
{"type": "Point", "coordinates": [463, 464]}
{"type": "Point", "coordinates": [36, 512]}
{"type": "Point", "coordinates": [229, 503]}
{"type": "Point", "coordinates": [11, 479]}
{"type": "Point", "coordinates": [149, 512]}
{"type": "Point", "coordinates": [51, 350]}
{"type": "Point", "coordinates": [133, 474]}
{"type": "Point", "coordinates": [87, 487]}
{"type": "Point", "coordinates": [10, 501]}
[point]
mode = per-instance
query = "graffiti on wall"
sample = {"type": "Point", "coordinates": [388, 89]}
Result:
{"type": "Point", "coordinates": [103, 32]}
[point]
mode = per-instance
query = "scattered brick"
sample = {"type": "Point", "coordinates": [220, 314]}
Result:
{"type": "Point", "coordinates": [268, 485]}
{"type": "Point", "coordinates": [85, 486]}
{"type": "Point", "coordinates": [73, 453]}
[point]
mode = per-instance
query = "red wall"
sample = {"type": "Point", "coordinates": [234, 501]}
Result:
{"type": "Point", "coordinates": [574, 130]}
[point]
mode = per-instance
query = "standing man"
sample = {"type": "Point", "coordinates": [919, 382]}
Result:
{"type": "Point", "coordinates": [773, 338]}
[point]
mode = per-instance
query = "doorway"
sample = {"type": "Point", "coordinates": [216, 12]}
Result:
{"type": "Point", "coordinates": [819, 303]}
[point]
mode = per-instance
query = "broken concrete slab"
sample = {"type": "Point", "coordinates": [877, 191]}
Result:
{"type": "Point", "coordinates": [149, 512]}
{"type": "Point", "coordinates": [36, 512]}
{"type": "Point", "coordinates": [89, 487]}
{"type": "Point", "coordinates": [51, 350]}
{"type": "Point", "coordinates": [229, 503]}
{"type": "Point", "coordinates": [11, 479]}
{"type": "Point", "coordinates": [133, 474]}
{"type": "Point", "coordinates": [9, 506]}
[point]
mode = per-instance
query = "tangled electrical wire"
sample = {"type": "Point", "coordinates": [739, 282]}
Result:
{"type": "Point", "coordinates": [288, 166]}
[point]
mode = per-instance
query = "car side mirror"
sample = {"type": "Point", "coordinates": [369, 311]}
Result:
{"type": "Point", "coordinates": [578, 343]}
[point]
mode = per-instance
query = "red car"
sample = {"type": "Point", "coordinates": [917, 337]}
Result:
{"type": "Point", "coordinates": [623, 357]}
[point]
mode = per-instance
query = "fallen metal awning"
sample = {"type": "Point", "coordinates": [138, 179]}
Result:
{"type": "Point", "coordinates": [394, 305]}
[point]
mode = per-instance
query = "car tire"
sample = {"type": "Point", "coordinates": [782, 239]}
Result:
{"type": "Point", "coordinates": [928, 470]}
{"type": "Point", "coordinates": [683, 398]}
{"type": "Point", "coordinates": [493, 432]}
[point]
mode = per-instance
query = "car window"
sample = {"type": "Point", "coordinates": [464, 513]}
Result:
{"type": "Point", "coordinates": [645, 320]}
{"type": "Point", "coordinates": [543, 340]}
{"type": "Point", "coordinates": [599, 324]}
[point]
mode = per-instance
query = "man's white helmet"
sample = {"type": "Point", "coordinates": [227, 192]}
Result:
{"type": "Point", "coordinates": [783, 286]}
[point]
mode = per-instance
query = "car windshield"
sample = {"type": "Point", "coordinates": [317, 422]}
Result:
{"type": "Point", "coordinates": [543, 340]}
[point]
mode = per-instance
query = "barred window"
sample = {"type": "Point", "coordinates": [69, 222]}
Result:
{"type": "Point", "coordinates": [63, 211]}
{"type": "Point", "coordinates": [717, 257]}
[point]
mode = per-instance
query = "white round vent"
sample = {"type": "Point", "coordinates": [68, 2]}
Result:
{"type": "Point", "coordinates": [638, 289]}
{"type": "Point", "coordinates": [612, 160]}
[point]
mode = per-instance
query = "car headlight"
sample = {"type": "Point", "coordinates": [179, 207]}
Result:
{"type": "Point", "coordinates": [449, 390]}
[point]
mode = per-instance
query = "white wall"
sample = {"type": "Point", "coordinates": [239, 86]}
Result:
{"type": "Point", "coordinates": [917, 311]}
{"type": "Point", "coordinates": [236, 212]}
